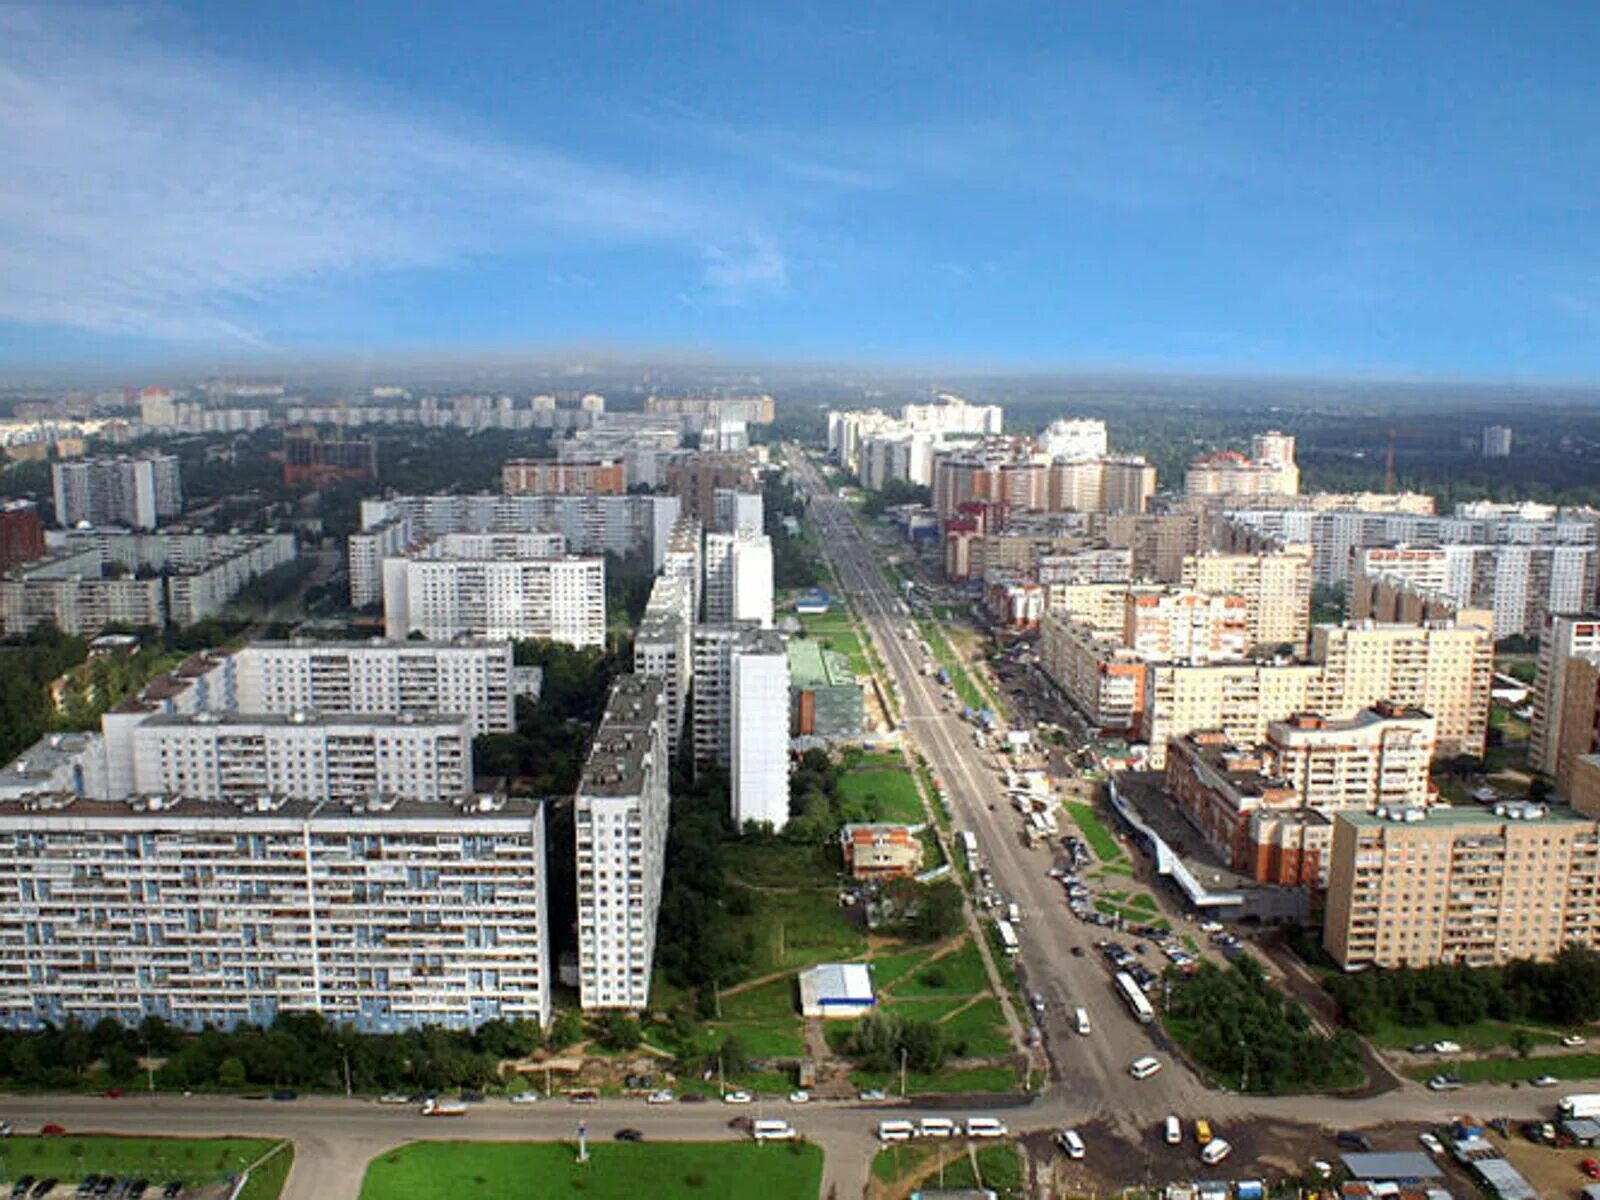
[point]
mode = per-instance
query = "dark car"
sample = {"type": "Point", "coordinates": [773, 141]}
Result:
{"type": "Point", "coordinates": [45, 1186]}
{"type": "Point", "coordinates": [20, 1188]}
{"type": "Point", "coordinates": [138, 1188]}
{"type": "Point", "coordinates": [285, 1094]}
{"type": "Point", "coordinates": [172, 1190]}
{"type": "Point", "coordinates": [87, 1185]}
{"type": "Point", "coordinates": [1077, 952]}
{"type": "Point", "coordinates": [1349, 1139]}
{"type": "Point", "coordinates": [743, 1124]}
{"type": "Point", "coordinates": [629, 1135]}
{"type": "Point", "coordinates": [691, 1098]}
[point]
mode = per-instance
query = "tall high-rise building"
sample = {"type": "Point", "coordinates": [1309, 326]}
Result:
{"type": "Point", "coordinates": [738, 577]}
{"type": "Point", "coordinates": [736, 510]}
{"type": "Point", "coordinates": [1496, 441]}
{"type": "Point", "coordinates": [663, 646]}
{"type": "Point", "coordinates": [695, 480]}
{"type": "Point", "coordinates": [1563, 638]}
{"type": "Point", "coordinates": [621, 815]}
{"type": "Point", "coordinates": [133, 492]}
{"type": "Point", "coordinates": [1183, 625]}
{"type": "Point", "coordinates": [1270, 470]}
{"type": "Point", "coordinates": [759, 749]}
{"type": "Point", "coordinates": [21, 533]}
{"type": "Point", "coordinates": [1276, 589]}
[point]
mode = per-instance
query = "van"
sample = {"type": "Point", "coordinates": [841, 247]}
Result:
{"type": "Point", "coordinates": [1143, 1068]}
{"type": "Point", "coordinates": [985, 1127]}
{"type": "Point", "coordinates": [773, 1131]}
{"type": "Point", "coordinates": [1174, 1131]}
{"type": "Point", "coordinates": [1202, 1131]}
{"type": "Point", "coordinates": [896, 1131]}
{"type": "Point", "coordinates": [1013, 913]}
{"type": "Point", "coordinates": [1071, 1144]}
{"type": "Point", "coordinates": [1216, 1150]}
{"type": "Point", "coordinates": [936, 1127]}
{"type": "Point", "coordinates": [1081, 1015]}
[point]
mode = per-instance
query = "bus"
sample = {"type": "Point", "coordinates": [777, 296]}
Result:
{"type": "Point", "coordinates": [1008, 939]}
{"type": "Point", "coordinates": [1138, 1004]}
{"type": "Point", "coordinates": [969, 846]}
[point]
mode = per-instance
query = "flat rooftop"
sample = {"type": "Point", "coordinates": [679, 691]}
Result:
{"type": "Point", "coordinates": [314, 720]}
{"type": "Point", "coordinates": [64, 806]}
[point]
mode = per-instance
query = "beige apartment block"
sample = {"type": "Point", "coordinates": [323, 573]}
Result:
{"type": "Point", "coordinates": [1276, 588]}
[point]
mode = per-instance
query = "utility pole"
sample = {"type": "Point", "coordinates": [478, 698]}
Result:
{"type": "Point", "coordinates": [902, 1072]}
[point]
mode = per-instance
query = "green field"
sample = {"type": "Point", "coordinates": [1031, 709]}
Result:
{"type": "Point", "coordinates": [884, 779]}
{"type": "Point", "coordinates": [1514, 1070]}
{"type": "Point", "coordinates": [664, 1171]}
{"type": "Point", "coordinates": [1480, 1035]}
{"type": "Point", "coordinates": [196, 1161]}
{"type": "Point", "coordinates": [971, 1079]}
{"type": "Point", "coordinates": [834, 630]}
{"type": "Point", "coordinates": [999, 1169]}
{"type": "Point", "coordinates": [1094, 832]}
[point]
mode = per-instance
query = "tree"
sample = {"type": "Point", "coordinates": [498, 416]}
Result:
{"type": "Point", "coordinates": [231, 1073]}
{"type": "Point", "coordinates": [566, 1029]}
{"type": "Point", "coordinates": [1522, 1042]}
{"type": "Point", "coordinates": [620, 1032]}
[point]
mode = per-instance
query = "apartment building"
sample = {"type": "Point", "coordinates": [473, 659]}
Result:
{"type": "Point", "coordinates": [695, 480]}
{"type": "Point", "coordinates": [1391, 600]}
{"type": "Point", "coordinates": [735, 511]}
{"type": "Point", "coordinates": [21, 533]}
{"type": "Point", "coordinates": [94, 578]}
{"type": "Point", "coordinates": [759, 731]}
{"type": "Point", "coordinates": [377, 676]}
{"type": "Point", "coordinates": [755, 409]}
{"type": "Point", "coordinates": [1444, 670]}
{"type": "Point", "coordinates": [132, 492]}
{"type": "Point", "coordinates": [537, 476]}
{"type": "Point", "coordinates": [1075, 439]}
{"type": "Point", "coordinates": [738, 582]}
{"type": "Point", "coordinates": [303, 756]}
{"type": "Point", "coordinates": [1579, 722]}
{"type": "Point", "coordinates": [1182, 625]}
{"type": "Point", "coordinates": [1100, 607]}
{"type": "Point", "coordinates": [1237, 699]}
{"type": "Point", "coordinates": [1276, 589]}
{"type": "Point", "coordinates": [621, 813]}
{"type": "Point", "coordinates": [1158, 543]}
{"type": "Point", "coordinates": [1464, 885]}
{"type": "Point", "coordinates": [1268, 470]}
{"type": "Point", "coordinates": [562, 599]}
{"type": "Point", "coordinates": [1379, 757]}
{"type": "Point", "coordinates": [604, 524]}
{"type": "Point", "coordinates": [1562, 639]}
{"type": "Point", "coordinates": [663, 646]}
{"type": "Point", "coordinates": [389, 917]}
{"type": "Point", "coordinates": [1102, 678]}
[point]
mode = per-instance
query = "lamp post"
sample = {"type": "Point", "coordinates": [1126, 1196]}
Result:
{"type": "Point", "coordinates": [583, 1141]}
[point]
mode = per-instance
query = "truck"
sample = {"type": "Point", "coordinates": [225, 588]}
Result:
{"type": "Point", "coordinates": [1008, 937]}
{"type": "Point", "coordinates": [1580, 1106]}
{"type": "Point", "coordinates": [969, 846]}
{"type": "Point", "coordinates": [1138, 1004]}
{"type": "Point", "coordinates": [444, 1108]}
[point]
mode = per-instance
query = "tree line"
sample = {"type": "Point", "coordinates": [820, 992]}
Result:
{"type": "Point", "coordinates": [1563, 991]}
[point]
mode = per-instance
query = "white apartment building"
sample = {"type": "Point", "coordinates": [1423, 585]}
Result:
{"type": "Point", "coordinates": [684, 558]}
{"type": "Point", "coordinates": [620, 525]}
{"type": "Point", "coordinates": [1181, 625]}
{"type": "Point", "coordinates": [737, 510]}
{"type": "Point", "coordinates": [462, 676]}
{"type": "Point", "coordinates": [131, 492]}
{"type": "Point", "coordinates": [621, 814]}
{"type": "Point", "coordinates": [562, 599]}
{"type": "Point", "coordinates": [759, 716]}
{"type": "Point", "coordinates": [1381, 756]}
{"type": "Point", "coordinates": [389, 918]}
{"type": "Point", "coordinates": [1563, 638]}
{"type": "Point", "coordinates": [1078, 438]}
{"type": "Point", "coordinates": [663, 646]}
{"type": "Point", "coordinates": [738, 577]}
{"type": "Point", "coordinates": [240, 757]}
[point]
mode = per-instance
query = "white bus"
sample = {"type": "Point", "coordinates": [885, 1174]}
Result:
{"type": "Point", "coordinates": [1008, 937]}
{"type": "Point", "coordinates": [896, 1131]}
{"type": "Point", "coordinates": [1138, 1004]}
{"type": "Point", "coordinates": [969, 846]}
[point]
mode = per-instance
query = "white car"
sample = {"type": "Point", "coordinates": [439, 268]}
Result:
{"type": "Point", "coordinates": [736, 1097]}
{"type": "Point", "coordinates": [1071, 1144]}
{"type": "Point", "coordinates": [1143, 1068]}
{"type": "Point", "coordinates": [525, 1098]}
{"type": "Point", "coordinates": [394, 1098]}
{"type": "Point", "coordinates": [1447, 1047]}
{"type": "Point", "coordinates": [1430, 1143]}
{"type": "Point", "coordinates": [1174, 1131]}
{"type": "Point", "coordinates": [660, 1097]}
{"type": "Point", "coordinates": [1573, 1039]}
{"type": "Point", "coordinates": [1544, 1081]}
{"type": "Point", "coordinates": [800, 1096]}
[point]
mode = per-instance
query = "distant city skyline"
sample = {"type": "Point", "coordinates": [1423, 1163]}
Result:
{"type": "Point", "coordinates": [1322, 192]}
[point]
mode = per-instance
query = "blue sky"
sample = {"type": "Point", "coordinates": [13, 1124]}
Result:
{"type": "Point", "coordinates": [1316, 188]}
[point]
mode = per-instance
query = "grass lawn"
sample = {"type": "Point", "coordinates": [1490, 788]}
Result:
{"type": "Point", "coordinates": [982, 1027]}
{"type": "Point", "coordinates": [196, 1161]}
{"type": "Point", "coordinates": [1094, 831]}
{"type": "Point", "coordinates": [902, 1159]}
{"type": "Point", "coordinates": [783, 866]}
{"type": "Point", "coordinates": [973, 1079]}
{"type": "Point", "coordinates": [833, 630]}
{"type": "Point", "coordinates": [999, 1166]}
{"type": "Point", "coordinates": [664, 1171]}
{"type": "Point", "coordinates": [893, 788]}
{"type": "Point", "coordinates": [959, 973]}
{"type": "Point", "coordinates": [889, 969]}
{"type": "Point", "coordinates": [1480, 1035]}
{"type": "Point", "coordinates": [1515, 1070]}
{"type": "Point", "coordinates": [766, 1020]}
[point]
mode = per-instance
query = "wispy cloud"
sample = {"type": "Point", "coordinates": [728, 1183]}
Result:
{"type": "Point", "coordinates": [162, 194]}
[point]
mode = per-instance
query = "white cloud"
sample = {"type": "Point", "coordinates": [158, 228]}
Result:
{"type": "Point", "coordinates": [752, 267]}
{"type": "Point", "coordinates": [155, 193]}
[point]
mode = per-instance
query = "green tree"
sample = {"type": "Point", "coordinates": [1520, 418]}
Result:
{"type": "Point", "coordinates": [231, 1073]}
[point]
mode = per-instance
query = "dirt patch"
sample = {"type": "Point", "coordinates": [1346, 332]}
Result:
{"type": "Point", "coordinates": [1552, 1172]}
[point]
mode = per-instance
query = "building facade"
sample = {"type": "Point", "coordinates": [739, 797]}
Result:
{"type": "Point", "coordinates": [535, 476]}
{"type": "Point", "coordinates": [136, 493]}
{"type": "Point", "coordinates": [759, 734]}
{"type": "Point", "coordinates": [561, 599]}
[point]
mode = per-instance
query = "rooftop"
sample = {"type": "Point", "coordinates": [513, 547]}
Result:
{"type": "Point", "coordinates": [812, 666]}
{"type": "Point", "coordinates": [621, 749]}
{"type": "Point", "coordinates": [1507, 812]}
{"type": "Point", "coordinates": [232, 720]}
{"type": "Point", "coordinates": [64, 806]}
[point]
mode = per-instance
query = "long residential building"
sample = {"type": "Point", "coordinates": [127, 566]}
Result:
{"type": "Point", "coordinates": [303, 756]}
{"type": "Point", "coordinates": [1468, 885]}
{"type": "Point", "coordinates": [1268, 470]}
{"type": "Point", "coordinates": [1563, 641]}
{"type": "Point", "coordinates": [1102, 678]}
{"type": "Point", "coordinates": [377, 676]}
{"type": "Point", "coordinates": [539, 476]}
{"type": "Point", "coordinates": [387, 917]}
{"type": "Point", "coordinates": [621, 814]}
{"type": "Point", "coordinates": [136, 493]}
{"type": "Point", "coordinates": [94, 578]}
{"type": "Point", "coordinates": [493, 591]}
{"type": "Point", "coordinates": [663, 646]}
{"type": "Point", "coordinates": [621, 525]}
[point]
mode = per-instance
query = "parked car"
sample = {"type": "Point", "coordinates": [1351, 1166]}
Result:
{"type": "Point", "coordinates": [1573, 1039]}
{"type": "Point", "coordinates": [1071, 1143]}
{"type": "Point", "coordinates": [528, 1097]}
{"type": "Point", "coordinates": [1447, 1047]}
{"type": "Point", "coordinates": [1590, 1168]}
{"type": "Point", "coordinates": [1444, 1083]}
{"type": "Point", "coordinates": [736, 1097]}
{"type": "Point", "coordinates": [872, 1095]}
{"type": "Point", "coordinates": [1431, 1144]}
{"type": "Point", "coordinates": [1543, 1081]}
{"type": "Point", "coordinates": [629, 1135]}
{"type": "Point", "coordinates": [799, 1096]}
{"type": "Point", "coordinates": [1349, 1139]}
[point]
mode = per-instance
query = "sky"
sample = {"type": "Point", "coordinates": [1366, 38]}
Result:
{"type": "Point", "coordinates": [1400, 188]}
